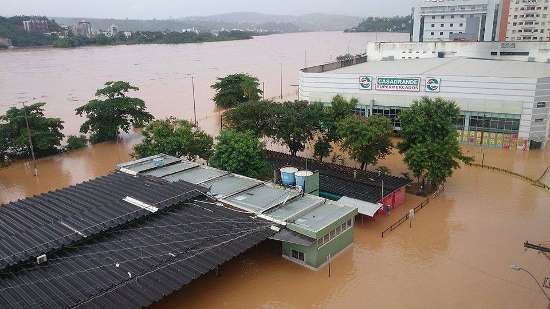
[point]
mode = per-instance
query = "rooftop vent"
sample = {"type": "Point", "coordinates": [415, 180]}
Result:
{"type": "Point", "coordinates": [41, 259]}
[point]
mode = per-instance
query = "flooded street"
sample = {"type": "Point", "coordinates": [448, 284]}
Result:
{"type": "Point", "coordinates": [456, 255]}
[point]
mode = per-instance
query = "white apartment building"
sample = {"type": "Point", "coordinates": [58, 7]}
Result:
{"type": "Point", "coordinates": [454, 20]}
{"type": "Point", "coordinates": [525, 20]}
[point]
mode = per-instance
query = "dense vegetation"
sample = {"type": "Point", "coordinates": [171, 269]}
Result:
{"type": "Point", "coordinates": [240, 152]}
{"type": "Point", "coordinates": [113, 111]}
{"type": "Point", "coordinates": [179, 138]}
{"type": "Point", "coordinates": [12, 28]}
{"type": "Point", "coordinates": [14, 136]}
{"type": "Point", "coordinates": [384, 24]}
{"type": "Point", "coordinates": [152, 37]}
{"type": "Point", "coordinates": [430, 145]}
{"type": "Point", "coordinates": [235, 89]}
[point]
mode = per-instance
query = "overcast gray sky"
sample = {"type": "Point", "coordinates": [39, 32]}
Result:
{"type": "Point", "coordinates": [148, 9]}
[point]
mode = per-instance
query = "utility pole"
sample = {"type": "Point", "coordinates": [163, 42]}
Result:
{"type": "Point", "coordinates": [194, 102]}
{"type": "Point", "coordinates": [281, 81]}
{"type": "Point", "coordinates": [539, 248]}
{"type": "Point", "coordinates": [35, 169]}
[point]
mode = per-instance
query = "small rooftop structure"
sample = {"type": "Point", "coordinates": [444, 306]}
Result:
{"type": "Point", "coordinates": [308, 218]}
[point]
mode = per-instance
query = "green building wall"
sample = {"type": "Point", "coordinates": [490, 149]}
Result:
{"type": "Point", "coordinates": [316, 256]}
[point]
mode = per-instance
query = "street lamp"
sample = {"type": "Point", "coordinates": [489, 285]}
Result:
{"type": "Point", "coordinates": [519, 268]}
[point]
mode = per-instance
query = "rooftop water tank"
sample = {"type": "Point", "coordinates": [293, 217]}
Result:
{"type": "Point", "coordinates": [301, 178]}
{"type": "Point", "coordinates": [287, 176]}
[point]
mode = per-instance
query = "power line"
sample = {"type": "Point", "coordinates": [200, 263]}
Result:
{"type": "Point", "coordinates": [171, 254]}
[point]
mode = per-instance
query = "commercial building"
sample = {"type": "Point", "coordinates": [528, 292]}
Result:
{"type": "Point", "coordinates": [521, 51]}
{"type": "Point", "coordinates": [37, 25]}
{"type": "Point", "coordinates": [449, 20]}
{"type": "Point", "coordinates": [504, 103]}
{"type": "Point", "coordinates": [524, 20]}
{"type": "Point", "coordinates": [83, 28]}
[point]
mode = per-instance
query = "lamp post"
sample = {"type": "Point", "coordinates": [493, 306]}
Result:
{"type": "Point", "coordinates": [194, 101]}
{"type": "Point", "coordinates": [519, 268]}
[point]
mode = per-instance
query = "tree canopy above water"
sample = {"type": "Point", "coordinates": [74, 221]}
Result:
{"type": "Point", "coordinates": [235, 89]}
{"type": "Point", "coordinates": [113, 111]}
{"type": "Point", "coordinates": [430, 143]}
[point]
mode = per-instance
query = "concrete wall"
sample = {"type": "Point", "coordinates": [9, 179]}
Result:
{"type": "Point", "coordinates": [538, 51]}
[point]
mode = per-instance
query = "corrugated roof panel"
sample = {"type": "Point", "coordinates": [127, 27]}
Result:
{"type": "Point", "coordinates": [87, 275]}
{"type": "Point", "coordinates": [89, 208]}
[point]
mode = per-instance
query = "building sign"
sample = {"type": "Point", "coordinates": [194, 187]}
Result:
{"type": "Point", "coordinates": [365, 82]}
{"type": "Point", "coordinates": [398, 83]}
{"type": "Point", "coordinates": [432, 84]}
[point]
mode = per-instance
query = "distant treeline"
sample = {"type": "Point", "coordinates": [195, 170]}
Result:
{"type": "Point", "coordinates": [384, 24]}
{"type": "Point", "coordinates": [152, 37]}
{"type": "Point", "coordinates": [12, 28]}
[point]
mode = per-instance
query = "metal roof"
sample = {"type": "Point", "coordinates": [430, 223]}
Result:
{"type": "Point", "coordinates": [293, 238]}
{"type": "Point", "coordinates": [342, 180]}
{"type": "Point", "coordinates": [321, 216]}
{"type": "Point", "coordinates": [268, 200]}
{"type": "Point", "coordinates": [452, 66]}
{"type": "Point", "coordinates": [136, 264]}
{"type": "Point", "coordinates": [364, 208]}
{"type": "Point", "coordinates": [40, 224]}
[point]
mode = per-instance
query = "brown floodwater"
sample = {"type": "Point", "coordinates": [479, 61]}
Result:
{"type": "Point", "coordinates": [457, 254]}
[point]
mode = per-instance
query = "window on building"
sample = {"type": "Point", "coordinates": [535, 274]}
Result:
{"type": "Point", "coordinates": [461, 16]}
{"type": "Point", "coordinates": [433, 17]}
{"type": "Point", "coordinates": [451, 25]}
{"type": "Point", "coordinates": [320, 242]}
{"type": "Point", "coordinates": [326, 239]}
{"type": "Point", "coordinates": [442, 25]}
{"type": "Point", "coordinates": [440, 33]}
{"type": "Point", "coordinates": [432, 33]}
{"type": "Point", "coordinates": [344, 226]}
{"type": "Point", "coordinates": [541, 104]}
{"type": "Point", "coordinates": [433, 25]}
{"type": "Point", "coordinates": [442, 16]}
{"type": "Point", "coordinates": [349, 223]}
{"type": "Point", "coordinates": [539, 120]}
{"type": "Point", "coordinates": [298, 255]}
{"type": "Point", "coordinates": [494, 53]}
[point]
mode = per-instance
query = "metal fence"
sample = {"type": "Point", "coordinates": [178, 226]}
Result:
{"type": "Point", "coordinates": [423, 204]}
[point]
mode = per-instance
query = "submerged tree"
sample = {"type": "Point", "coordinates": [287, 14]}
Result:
{"type": "Point", "coordinates": [339, 109]}
{"type": "Point", "coordinates": [241, 153]}
{"type": "Point", "coordinates": [430, 144]}
{"type": "Point", "coordinates": [295, 124]}
{"type": "Point", "coordinates": [366, 139]}
{"type": "Point", "coordinates": [235, 89]}
{"type": "Point", "coordinates": [253, 116]}
{"type": "Point", "coordinates": [113, 111]}
{"type": "Point", "coordinates": [179, 138]}
{"type": "Point", "coordinates": [45, 132]}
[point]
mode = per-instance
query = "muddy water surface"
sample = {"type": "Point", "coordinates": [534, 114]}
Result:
{"type": "Point", "coordinates": [456, 255]}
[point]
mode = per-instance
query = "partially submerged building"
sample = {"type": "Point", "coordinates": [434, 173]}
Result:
{"type": "Point", "coordinates": [312, 229]}
{"type": "Point", "coordinates": [504, 104]}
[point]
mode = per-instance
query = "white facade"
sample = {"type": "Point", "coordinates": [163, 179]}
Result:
{"type": "Point", "coordinates": [528, 20]}
{"type": "Point", "coordinates": [448, 20]}
{"type": "Point", "coordinates": [521, 51]}
{"type": "Point", "coordinates": [512, 90]}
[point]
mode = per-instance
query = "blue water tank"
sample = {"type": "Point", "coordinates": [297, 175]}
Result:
{"type": "Point", "coordinates": [301, 178]}
{"type": "Point", "coordinates": [287, 176]}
